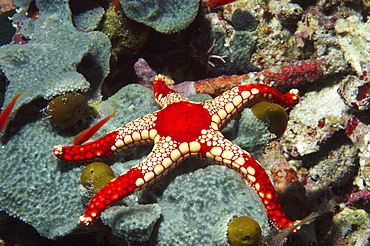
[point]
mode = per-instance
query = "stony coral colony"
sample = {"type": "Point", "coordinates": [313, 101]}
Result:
{"type": "Point", "coordinates": [319, 163]}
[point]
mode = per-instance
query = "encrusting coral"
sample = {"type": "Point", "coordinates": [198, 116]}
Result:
{"type": "Point", "coordinates": [354, 38]}
{"type": "Point", "coordinates": [189, 200]}
{"type": "Point", "coordinates": [164, 16]}
{"type": "Point", "coordinates": [294, 74]}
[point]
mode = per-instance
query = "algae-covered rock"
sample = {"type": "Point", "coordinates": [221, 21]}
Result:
{"type": "Point", "coordinates": [230, 42]}
{"type": "Point", "coordinates": [354, 39]}
{"type": "Point", "coordinates": [235, 48]}
{"type": "Point", "coordinates": [127, 36]}
{"type": "Point", "coordinates": [351, 227]}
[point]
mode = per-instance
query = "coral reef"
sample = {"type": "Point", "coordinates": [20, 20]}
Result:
{"type": "Point", "coordinates": [231, 47]}
{"type": "Point", "coordinates": [134, 223]}
{"type": "Point", "coordinates": [359, 134]}
{"type": "Point", "coordinates": [317, 116]}
{"type": "Point", "coordinates": [6, 5]}
{"type": "Point", "coordinates": [37, 189]}
{"type": "Point", "coordinates": [285, 11]}
{"type": "Point", "coordinates": [163, 16]}
{"type": "Point", "coordinates": [294, 74]}
{"type": "Point", "coordinates": [354, 38]}
{"type": "Point", "coordinates": [243, 20]}
{"type": "Point", "coordinates": [278, 76]}
{"type": "Point", "coordinates": [89, 19]}
{"type": "Point", "coordinates": [188, 200]}
{"type": "Point", "coordinates": [320, 163]}
{"type": "Point", "coordinates": [333, 173]}
{"type": "Point", "coordinates": [355, 91]}
{"type": "Point", "coordinates": [249, 133]}
{"type": "Point", "coordinates": [41, 186]}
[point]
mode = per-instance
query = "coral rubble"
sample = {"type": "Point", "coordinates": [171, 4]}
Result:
{"type": "Point", "coordinates": [344, 224]}
{"type": "Point", "coordinates": [354, 38]}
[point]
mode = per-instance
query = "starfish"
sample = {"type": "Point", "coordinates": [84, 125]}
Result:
{"type": "Point", "coordinates": [182, 129]}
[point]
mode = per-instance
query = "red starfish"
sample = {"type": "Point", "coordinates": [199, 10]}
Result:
{"type": "Point", "coordinates": [182, 129]}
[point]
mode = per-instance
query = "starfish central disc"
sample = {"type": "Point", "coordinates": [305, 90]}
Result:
{"type": "Point", "coordinates": [182, 121]}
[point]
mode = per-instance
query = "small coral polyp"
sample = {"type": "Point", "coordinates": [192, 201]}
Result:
{"type": "Point", "coordinates": [198, 137]}
{"type": "Point", "coordinates": [67, 109]}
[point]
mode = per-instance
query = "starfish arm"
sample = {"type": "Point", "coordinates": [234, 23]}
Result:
{"type": "Point", "coordinates": [136, 133]}
{"type": "Point", "coordinates": [227, 105]}
{"type": "Point", "coordinates": [164, 95]}
{"type": "Point", "coordinates": [116, 189]}
{"type": "Point", "coordinates": [221, 151]}
{"type": "Point", "coordinates": [165, 156]}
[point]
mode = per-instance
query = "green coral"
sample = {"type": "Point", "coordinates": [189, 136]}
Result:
{"type": "Point", "coordinates": [164, 16]}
